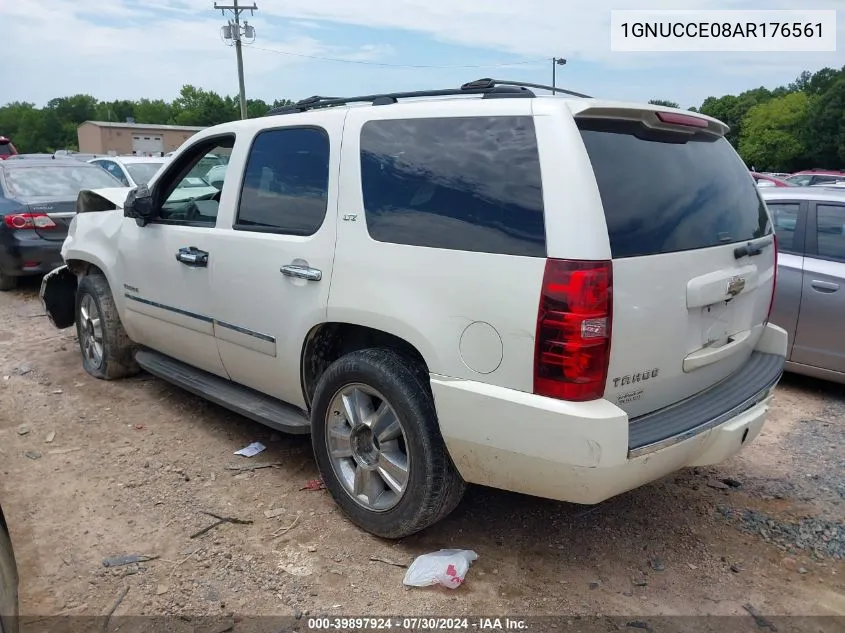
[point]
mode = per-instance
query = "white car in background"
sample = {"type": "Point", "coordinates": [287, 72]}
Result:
{"type": "Point", "coordinates": [133, 171]}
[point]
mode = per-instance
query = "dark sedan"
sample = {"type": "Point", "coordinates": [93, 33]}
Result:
{"type": "Point", "coordinates": [37, 203]}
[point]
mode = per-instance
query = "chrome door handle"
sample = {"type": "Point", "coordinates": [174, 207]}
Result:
{"type": "Point", "coordinates": [301, 272]}
{"type": "Point", "coordinates": [824, 286]}
{"type": "Point", "coordinates": [192, 256]}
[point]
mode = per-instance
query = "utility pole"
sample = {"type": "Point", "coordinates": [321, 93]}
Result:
{"type": "Point", "coordinates": [234, 31]}
{"type": "Point", "coordinates": [556, 61]}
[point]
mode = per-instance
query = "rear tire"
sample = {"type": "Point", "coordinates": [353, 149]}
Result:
{"type": "Point", "coordinates": [107, 351]}
{"type": "Point", "coordinates": [7, 282]}
{"type": "Point", "coordinates": [395, 477]}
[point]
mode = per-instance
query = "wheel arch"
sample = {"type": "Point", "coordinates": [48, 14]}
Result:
{"type": "Point", "coordinates": [326, 342]}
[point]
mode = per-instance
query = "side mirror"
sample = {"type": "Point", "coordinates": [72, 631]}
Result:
{"type": "Point", "coordinates": [139, 205]}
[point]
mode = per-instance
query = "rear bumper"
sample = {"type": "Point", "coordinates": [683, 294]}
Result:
{"type": "Point", "coordinates": [588, 452]}
{"type": "Point", "coordinates": [22, 255]}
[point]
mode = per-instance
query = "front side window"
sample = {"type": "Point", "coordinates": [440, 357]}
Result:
{"type": "Point", "coordinates": [463, 183]}
{"type": "Point", "coordinates": [188, 199]}
{"type": "Point", "coordinates": [831, 231]}
{"type": "Point", "coordinates": [286, 182]}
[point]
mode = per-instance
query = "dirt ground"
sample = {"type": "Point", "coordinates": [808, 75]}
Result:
{"type": "Point", "coordinates": [93, 469]}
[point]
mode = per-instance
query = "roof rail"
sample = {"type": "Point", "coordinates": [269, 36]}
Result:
{"type": "Point", "coordinates": [490, 88]}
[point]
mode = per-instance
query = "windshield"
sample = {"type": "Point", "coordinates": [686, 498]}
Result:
{"type": "Point", "coordinates": [57, 180]}
{"type": "Point", "coordinates": [664, 194]}
{"type": "Point", "coordinates": [142, 172]}
{"type": "Point", "coordinates": [5, 148]}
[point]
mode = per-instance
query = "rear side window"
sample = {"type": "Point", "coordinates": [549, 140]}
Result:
{"type": "Point", "coordinates": [831, 231]}
{"type": "Point", "coordinates": [663, 193]}
{"type": "Point", "coordinates": [286, 182]}
{"type": "Point", "coordinates": [465, 183]}
{"type": "Point", "coordinates": [5, 148]}
{"type": "Point", "coordinates": [785, 216]}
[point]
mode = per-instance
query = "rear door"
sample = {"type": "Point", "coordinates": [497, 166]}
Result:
{"type": "Point", "coordinates": [819, 341]}
{"type": "Point", "coordinates": [790, 221]}
{"type": "Point", "coordinates": [693, 255]}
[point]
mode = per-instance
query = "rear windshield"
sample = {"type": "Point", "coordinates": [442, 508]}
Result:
{"type": "Point", "coordinates": [57, 180]}
{"type": "Point", "coordinates": [663, 194]}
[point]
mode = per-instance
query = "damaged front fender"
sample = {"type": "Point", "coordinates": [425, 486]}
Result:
{"type": "Point", "coordinates": [58, 296]}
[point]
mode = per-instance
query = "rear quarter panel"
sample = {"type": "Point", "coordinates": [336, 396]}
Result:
{"type": "Point", "coordinates": [471, 315]}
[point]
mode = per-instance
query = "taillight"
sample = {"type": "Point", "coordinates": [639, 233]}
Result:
{"type": "Point", "coordinates": [23, 221]}
{"type": "Point", "coordinates": [774, 279]}
{"type": "Point", "coordinates": [572, 345]}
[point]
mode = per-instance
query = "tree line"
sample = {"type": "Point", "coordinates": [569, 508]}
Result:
{"type": "Point", "coordinates": [793, 127]}
{"type": "Point", "coordinates": [53, 127]}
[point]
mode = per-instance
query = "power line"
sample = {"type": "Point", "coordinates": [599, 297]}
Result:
{"type": "Point", "coordinates": [234, 31]}
{"type": "Point", "coordinates": [388, 65]}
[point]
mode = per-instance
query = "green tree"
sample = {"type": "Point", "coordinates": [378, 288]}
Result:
{"type": "Point", "coordinates": [772, 131]}
{"type": "Point", "coordinates": [825, 131]}
{"type": "Point", "coordinates": [664, 102]}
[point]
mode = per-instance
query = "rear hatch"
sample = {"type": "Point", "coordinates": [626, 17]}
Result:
{"type": "Point", "coordinates": [59, 214]}
{"type": "Point", "coordinates": [693, 254]}
{"type": "Point", "coordinates": [48, 191]}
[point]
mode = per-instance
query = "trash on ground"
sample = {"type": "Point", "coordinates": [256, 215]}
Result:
{"type": "Point", "coordinates": [657, 564]}
{"type": "Point", "coordinates": [50, 437]}
{"type": "Point", "coordinates": [57, 391]}
{"type": "Point", "coordinates": [23, 429]}
{"type": "Point", "coordinates": [287, 528]}
{"type": "Point", "coordinates": [127, 559]}
{"type": "Point", "coordinates": [275, 512]}
{"type": "Point", "coordinates": [33, 454]}
{"type": "Point", "coordinates": [314, 484]}
{"type": "Point", "coordinates": [220, 521]}
{"type": "Point", "coordinates": [256, 466]}
{"type": "Point", "coordinates": [447, 567]}
{"type": "Point", "coordinates": [251, 450]}
{"type": "Point", "coordinates": [381, 559]}
{"type": "Point", "coordinates": [64, 451]}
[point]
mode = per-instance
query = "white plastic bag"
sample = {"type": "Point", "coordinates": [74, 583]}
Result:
{"type": "Point", "coordinates": [448, 567]}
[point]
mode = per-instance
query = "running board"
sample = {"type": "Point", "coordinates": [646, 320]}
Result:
{"type": "Point", "coordinates": [243, 400]}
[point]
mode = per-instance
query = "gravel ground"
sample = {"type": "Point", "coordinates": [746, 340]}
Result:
{"type": "Point", "coordinates": [93, 470]}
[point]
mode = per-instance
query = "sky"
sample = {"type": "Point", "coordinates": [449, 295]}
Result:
{"type": "Point", "coordinates": [129, 49]}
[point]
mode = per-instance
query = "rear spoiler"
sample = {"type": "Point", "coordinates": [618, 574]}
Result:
{"type": "Point", "coordinates": [109, 199]}
{"type": "Point", "coordinates": [657, 117]}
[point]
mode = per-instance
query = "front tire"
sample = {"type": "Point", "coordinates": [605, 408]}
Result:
{"type": "Point", "coordinates": [107, 351]}
{"type": "Point", "coordinates": [378, 446]}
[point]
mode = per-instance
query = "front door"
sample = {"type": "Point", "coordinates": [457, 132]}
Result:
{"type": "Point", "coordinates": [271, 265]}
{"type": "Point", "coordinates": [819, 341]}
{"type": "Point", "coordinates": [165, 268]}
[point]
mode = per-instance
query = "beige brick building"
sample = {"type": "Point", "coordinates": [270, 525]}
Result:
{"type": "Point", "coordinates": [142, 139]}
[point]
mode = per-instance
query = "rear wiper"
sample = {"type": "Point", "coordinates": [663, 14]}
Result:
{"type": "Point", "coordinates": [751, 249]}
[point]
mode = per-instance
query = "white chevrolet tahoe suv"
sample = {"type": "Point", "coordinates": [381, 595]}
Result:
{"type": "Point", "coordinates": [555, 295]}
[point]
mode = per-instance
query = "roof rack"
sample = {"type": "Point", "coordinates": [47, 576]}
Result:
{"type": "Point", "coordinates": [490, 88]}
